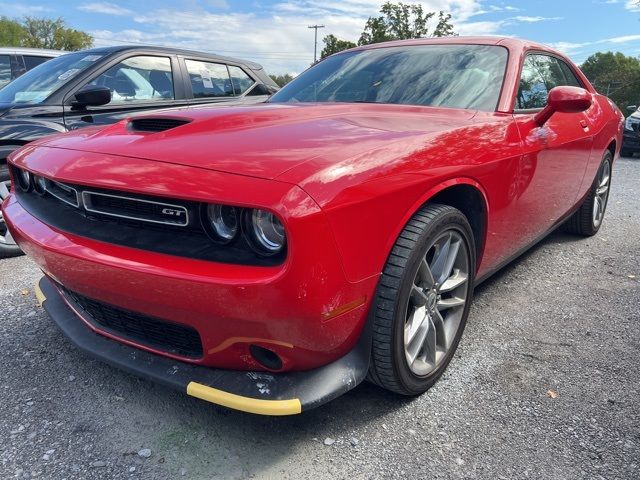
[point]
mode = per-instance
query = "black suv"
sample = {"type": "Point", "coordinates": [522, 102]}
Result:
{"type": "Point", "coordinates": [631, 136]}
{"type": "Point", "coordinates": [104, 85]}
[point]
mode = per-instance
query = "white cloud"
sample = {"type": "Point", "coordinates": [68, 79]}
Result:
{"type": "Point", "coordinates": [632, 5]}
{"type": "Point", "coordinates": [20, 9]}
{"type": "Point", "coordinates": [104, 8]}
{"type": "Point", "coordinates": [530, 19]}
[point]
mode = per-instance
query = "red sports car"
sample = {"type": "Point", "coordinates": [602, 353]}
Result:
{"type": "Point", "coordinates": [269, 258]}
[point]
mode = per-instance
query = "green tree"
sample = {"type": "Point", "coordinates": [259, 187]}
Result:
{"type": "Point", "coordinates": [281, 80]}
{"type": "Point", "coordinates": [400, 21]}
{"type": "Point", "coordinates": [11, 33]}
{"type": "Point", "coordinates": [48, 33]}
{"type": "Point", "coordinates": [332, 45]}
{"type": "Point", "coordinates": [615, 75]}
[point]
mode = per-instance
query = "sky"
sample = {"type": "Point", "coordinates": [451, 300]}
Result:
{"type": "Point", "coordinates": [275, 33]}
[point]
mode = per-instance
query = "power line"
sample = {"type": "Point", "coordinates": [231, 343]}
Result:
{"type": "Point", "coordinates": [315, 42]}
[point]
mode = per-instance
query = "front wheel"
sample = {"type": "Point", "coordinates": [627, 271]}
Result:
{"type": "Point", "coordinates": [8, 247]}
{"type": "Point", "coordinates": [422, 301]}
{"type": "Point", "coordinates": [588, 218]}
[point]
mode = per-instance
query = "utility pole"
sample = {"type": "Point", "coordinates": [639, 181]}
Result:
{"type": "Point", "coordinates": [315, 43]}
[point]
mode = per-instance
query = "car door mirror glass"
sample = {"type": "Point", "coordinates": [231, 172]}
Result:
{"type": "Point", "coordinates": [92, 96]}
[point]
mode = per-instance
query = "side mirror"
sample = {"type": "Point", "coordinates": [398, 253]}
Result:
{"type": "Point", "coordinates": [632, 108]}
{"type": "Point", "coordinates": [92, 96]}
{"type": "Point", "coordinates": [564, 100]}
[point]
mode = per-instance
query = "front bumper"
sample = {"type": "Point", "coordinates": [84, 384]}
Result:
{"type": "Point", "coordinates": [305, 310]}
{"type": "Point", "coordinates": [254, 392]}
{"type": "Point", "coordinates": [631, 141]}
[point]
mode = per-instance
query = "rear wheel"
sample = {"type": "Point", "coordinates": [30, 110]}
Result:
{"type": "Point", "coordinates": [422, 300]}
{"type": "Point", "coordinates": [588, 218]}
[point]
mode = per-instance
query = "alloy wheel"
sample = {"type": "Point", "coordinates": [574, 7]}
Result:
{"type": "Point", "coordinates": [436, 303]}
{"type": "Point", "coordinates": [5, 236]}
{"type": "Point", "coordinates": [602, 193]}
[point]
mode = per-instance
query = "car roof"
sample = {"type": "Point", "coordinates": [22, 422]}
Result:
{"type": "Point", "coordinates": [43, 52]}
{"type": "Point", "coordinates": [509, 42]}
{"type": "Point", "coordinates": [176, 51]}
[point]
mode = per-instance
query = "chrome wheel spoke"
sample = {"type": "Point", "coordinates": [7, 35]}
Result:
{"type": "Point", "coordinates": [430, 346]}
{"type": "Point", "coordinates": [415, 334]}
{"type": "Point", "coordinates": [602, 189]}
{"type": "Point", "coordinates": [438, 323]}
{"type": "Point", "coordinates": [440, 259]}
{"type": "Point", "coordinates": [418, 297]}
{"type": "Point", "coordinates": [425, 276]}
{"type": "Point", "coordinates": [454, 281]}
{"type": "Point", "coordinates": [447, 303]}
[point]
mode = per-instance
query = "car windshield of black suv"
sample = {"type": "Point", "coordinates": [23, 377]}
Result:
{"type": "Point", "coordinates": [36, 85]}
{"type": "Point", "coordinates": [458, 76]}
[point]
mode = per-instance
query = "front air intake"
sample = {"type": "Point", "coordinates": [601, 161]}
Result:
{"type": "Point", "coordinates": [156, 124]}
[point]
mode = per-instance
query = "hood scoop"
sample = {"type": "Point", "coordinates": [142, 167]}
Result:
{"type": "Point", "coordinates": [156, 124]}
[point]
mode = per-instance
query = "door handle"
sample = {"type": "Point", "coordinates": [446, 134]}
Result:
{"type": "Point", "coordinates": [584, 124]}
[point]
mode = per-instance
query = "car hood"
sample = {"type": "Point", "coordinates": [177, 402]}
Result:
{"type": "Point", "coordinates": [5, 107]}
{"type": "Point", "coordinates": [266, 140]}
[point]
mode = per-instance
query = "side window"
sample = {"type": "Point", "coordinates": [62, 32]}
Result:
{"type": "Point", "coordinates": [5, 70]}
{"type": "Point", "coordinates": [533, 91]}
{"type": "Point", "coordinates": [541, 73]}
{"type": "Point", "coordinates": [31, 61]}
{"type": "Point", "coordinates": [138, 79]}
{"type": "Point", "coordinates": [209, 79]}
{"type": "Point", "coordinates": [261, 89]}
{"type": "Point", "coordinates": [569, 76]}
{"type": "Point", "coordinates": [241, 81]}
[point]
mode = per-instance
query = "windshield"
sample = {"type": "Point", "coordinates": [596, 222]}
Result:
{"type": "Point", "coordinates": [37, 84]}
{"type": "Point", "coordinates": [459, 76]}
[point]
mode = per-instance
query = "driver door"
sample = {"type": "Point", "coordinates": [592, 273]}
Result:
{"type": "Point", "coordinates": [556, 154]}
{"type": "Point", "coordinates": [138, 83]}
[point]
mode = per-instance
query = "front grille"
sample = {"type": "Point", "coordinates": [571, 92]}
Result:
{"type": "Point", "coordinates": [63, 192]}
{"type": "Point", "coordinates": [135, 208]}
{"type": "Point", "coordinates": [170, 226]}
{"type": "Point", "coordinates": [152, 332]}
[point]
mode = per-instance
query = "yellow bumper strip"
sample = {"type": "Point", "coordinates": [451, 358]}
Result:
{"type": "Point", "coordinates": [245, 404]}
{"type": "Point", "coordinates": [40, 298]}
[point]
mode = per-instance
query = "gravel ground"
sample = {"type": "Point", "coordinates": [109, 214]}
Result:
{"type": "Point", "coordinates": [563, 318]}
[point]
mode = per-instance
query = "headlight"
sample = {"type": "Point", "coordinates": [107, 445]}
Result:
{"type": "Point", "coordinates": [629, 122]}
{"type": "Point", "coordinates": [224, 221]}
{"type": "Point", "coordinates": [24, 179]}
{"type": "Point", "coordinates": [39, 184]}
{"type": "Point", "coordinates": [266, 232]}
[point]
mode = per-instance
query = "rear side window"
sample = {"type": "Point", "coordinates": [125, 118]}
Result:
{"type": "Point", "coordinates": [570, 77]}
{"type": "Point", "coordinates": [209, 79]}
{"type": "Point", "coordinates": [138, 79]}
{"type": "Point", "coordinates": [5, 70]}
{"type": "Point", "coordinates": [241, 81]}
{"type": "Point", "coordinates": [31, 61]}
{"type": "Point", "coordinates": [540, 73]}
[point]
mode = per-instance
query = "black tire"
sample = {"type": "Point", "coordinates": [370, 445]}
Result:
{"type": "Point", "coordinates": [389, 367]}
{"type": "Point", "coordinates": [582, 221]}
